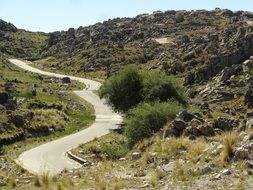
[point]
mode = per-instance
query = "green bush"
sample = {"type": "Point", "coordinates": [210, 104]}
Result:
{"type": "Point", "coordinates": [115, 150]}
{"type": "Point", "coordinates": [123, 90]}
{"type": "Point", "coordinates": [159, 86]}
{"type": "Point", "coordinates": [148, 118]}
{"type": "Point", "coordinates": [130, 87]}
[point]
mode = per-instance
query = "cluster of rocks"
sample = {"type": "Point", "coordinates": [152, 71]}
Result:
{"type": "Point", "coordinates": [224, 61]}
{"type": "Point", "coordinates": [243, 149]}
{"type": "Point", "coordinates": [193, 125]}
{"type": "Point", "coordinates": [217, 44]}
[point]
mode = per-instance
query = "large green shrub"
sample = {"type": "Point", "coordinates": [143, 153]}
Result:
{"type": "Point", "coordinates": [123, 90]}
{"type": "Point", "coordinates": [159, 86]}
{"type": "Point", "coordinates": [148, 118]}
{"type": "Point", "coordinates": [130, 87]}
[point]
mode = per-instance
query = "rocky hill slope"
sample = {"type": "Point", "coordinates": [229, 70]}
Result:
{"type": "Point", "coordinates": [210, 51]}
{"type": "Point", "coordinates": [199, 42]}
{"type": "Point", "coordinates": [20, 43]}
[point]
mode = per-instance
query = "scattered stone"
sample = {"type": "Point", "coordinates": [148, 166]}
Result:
{"type": "Point", "coordinates": [185, 116]}
{"type": "Point", "coordinates": [169, 167]}
{"type": "Point", "coordinates": [247, 65]}
{"type": "Point", "coordinates": [146, 185]}
{"type": "Point", "coordinates": [213, 37]}
{"type": "Point", "coordinates": [17, 120]}
{"type": "Point", "coordinates": [177, 127]}
{"type": "Point", "coordinates": [8, 86]}
{"type": "Point", "coordinates": [226, 172]}
{"type": "Point", "coordinates": [241, 154]}
{"type": "Point", "coordinates": [185, 39]}
{"type": "Point", "coordinates": [192, 131]}
{"type": "Point", "coordinates": [221, 174]}
{"type": "Point", "coordinates": [122, 159]}
{"type": "Point", "coordinates": [179, 17]}
{"type": "Point", "coordinates": [225, 124]}
{"type": "Point", "coordinates": [66, 80]}
{"type": "Point", "coordinates": [205, 106]}
{"type": "Point", "coordinates": [206, 130]}
{"type": "Point", "coordinates": [195, 122]}
{"type": "Point", "coordinates": [205, 170]}
{"type": "Point", "coordinates": [189, 79]}
{"type": "Point", "coordinates": [249, 164]}
{"type": "Point", "coordinates": [249, 123]}
{"type": "Point", "coordinates": [4, 97]}
{"type": "Point", "coordinates": [248, 98]}
{"type": "Point", "coordinates": [136, 155]}
{"type": "Point", "coordinates": [226, 73]}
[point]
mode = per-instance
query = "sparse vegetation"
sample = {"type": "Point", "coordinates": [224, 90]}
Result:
{"type": "Point", "coordinates": [205, 49]}
{"type": "Point", "coordinates": [229, 140]}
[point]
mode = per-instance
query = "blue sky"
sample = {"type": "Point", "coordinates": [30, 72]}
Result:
{"type": "Point", "coordinates": [52, 15]}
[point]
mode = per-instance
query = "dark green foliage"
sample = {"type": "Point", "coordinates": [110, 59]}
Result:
{"type": "Point", "coordinates": [130, 87]}
{"type": "Point", "coordinates": [123, 90]}
{"type": "Point", "coordinates": [159, 86]}
{"type": "Point", "coordinates": [148, 118]}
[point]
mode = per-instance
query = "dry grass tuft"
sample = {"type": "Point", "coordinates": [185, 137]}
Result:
{"type": "Point", "coordinates": [228, 140]}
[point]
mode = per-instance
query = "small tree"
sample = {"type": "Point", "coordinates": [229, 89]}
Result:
{"type": "Point", "coordinates": [131, 86]}
{"type": "Point", "coordinates": [123, 90]}
{"type": "Point", "coordinates": [161, 87]}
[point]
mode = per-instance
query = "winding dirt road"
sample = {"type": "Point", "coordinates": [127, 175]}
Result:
{"type": "Point", "coordinates": [51, 157]}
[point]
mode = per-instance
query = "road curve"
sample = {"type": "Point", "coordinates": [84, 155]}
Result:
{"type": "Point", "coordinates": [51, 157]}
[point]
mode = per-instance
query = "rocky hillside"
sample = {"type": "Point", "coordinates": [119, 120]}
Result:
{"type": "Point", "coordinates": [32, 106]}
{"type": "Point", "coordinates": [199, 42]}
{"type": "Point", "coordinates": [20, 43]}
{"type": "Point", "coordinates": [208, 145]}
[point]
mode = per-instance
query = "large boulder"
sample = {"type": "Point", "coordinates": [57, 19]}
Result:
{"type": "Point", "coordinates": [247, 65]}
{"type": "Point", "coordinates": [66, 80]}
{"type": "Point", "coordinates": [176, 128]}
{"type": "Point", "coordinates": [185, 116]}
{"type": "Point", "coordinates": [227, 72]}
{"type": "Point", "coordinates": [192, 131]}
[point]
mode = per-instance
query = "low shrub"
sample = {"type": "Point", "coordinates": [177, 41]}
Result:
{"type": "Point", "coordinates": [148, 118]}
{"type": "Point", "coordinates": [115, 150]}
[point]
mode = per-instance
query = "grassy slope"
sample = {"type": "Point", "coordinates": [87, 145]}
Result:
{"type": "Point", "coordinates": [78, 112]}
{"type": "Point", "coordinates": [23, 43]}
